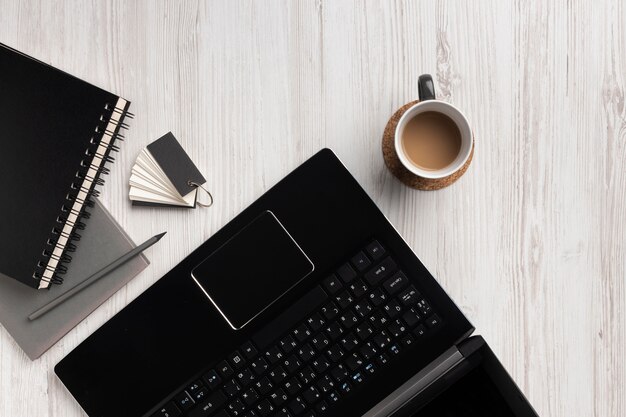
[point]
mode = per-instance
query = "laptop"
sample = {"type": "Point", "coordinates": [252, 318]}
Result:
{"type": "Point", "coordinates": [308, 303]}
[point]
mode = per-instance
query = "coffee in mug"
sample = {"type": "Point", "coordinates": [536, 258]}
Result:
{"type": "Point", "coordinates": [433, 138]}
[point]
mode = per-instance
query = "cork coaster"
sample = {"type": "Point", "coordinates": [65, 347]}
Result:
{"type": "Point", "coordinates": [407, 177]}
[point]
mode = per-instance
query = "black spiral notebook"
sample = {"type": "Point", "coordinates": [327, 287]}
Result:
{"type": "Point", "coordinates": [56, 138]}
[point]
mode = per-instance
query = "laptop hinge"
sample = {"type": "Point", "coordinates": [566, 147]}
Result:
{"type": "Point", "coordinates": [420, 381]}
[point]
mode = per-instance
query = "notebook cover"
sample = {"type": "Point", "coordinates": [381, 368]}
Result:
{"type": "Point", "coordinates": [102, 242]}
{"type": "Point", "coordinates": [48, 118]}
{"type": "Point", "coordinates": [176, 164]}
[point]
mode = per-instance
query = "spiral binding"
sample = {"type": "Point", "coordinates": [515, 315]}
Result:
{"type": "Point", "coordinates": [60, 242]}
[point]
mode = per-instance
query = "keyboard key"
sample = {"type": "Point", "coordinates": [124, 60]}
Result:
{"type": "Point", "coordinates": [168, 410]}
{"type": "Point", "coordinates": [249, 413]}
{"type": "Point", "coordinates": [419, 331]}
{"type": "Point", "coordinates": [378, 320]}
{"type": "Point", "coordinates": [377, 297]}
{"type": "Point", "coordinates": [264, 385]}
{"type": "Point", "coordinates": [363, 308]}
{"type": "Point", "coordinates": [375, 250]}
{"type": "Point", "coordinates": [297, 406]}
{"type": "Point", "coordinates": [248, 350]}
{"type": "Point", "coordinates": [330, 310]}
{"type": "Point", "coordinates": [265, 408]}
{"type": "Point", "coordinates": [346, 273]}
{"type": "Point", "coordinates": [224, 369]}
{"type": "Point", "coordinates": [200, 394]}
{"type": "Point", "coordinates": [364, 331]}
{"type": "Point", "coordinates": [274, 355]}
{"type": "Point", "coordinates": [209, 406]}
{"type": "Point", "coordinates": [196, 386]}
{"type": "Point", "coordinates": [292, 364]}
{"type": "Point", "coordinates": [246, 377]}
{"type": "Point", "coordinates": [358, 288]}
{"type": "Point", "coordinates": [332, 284]}
{"type": "Point", "coordinates": [302, 332]}
{"type": "Point", "coordinates": [292, 386]}
{"type": "Point", "coordinates": [237, 360]}
{"type": "Point", "coordinates": [311, 395]}
{"type": "Point", "coordinates": [212, 379]}
{"type": "Point", "coordinates": [382, 340]}
{"type": "Point", "coordinates": [407, 340]}
{"type": "Point", "coordinates": [409, 296]}
{"type": "Point", "coordinates": [348, 319]}
{"type": "Point", "coordinates": [424, 307]}
{"type": "Point", "coordinates": [433, 321]}
{"type": "Point", "coordinates": [368, 350]}
{"type": "Point", "coordinates": [320, 364]}
{"type": "Point", "coordinates": [222, 413]}
{"type": "Point", "coordinates": [344, 299]}
{"type": "Point", "coordinates": [393, 309]}
{"type": "Point", "coordinates": [306, 375]}
{"type": "Point", "coordinates": [382, 359]}
{"type": "Point", "coordinates": [236, 408]}
{"type": "Point", "coordinates": [250, 396]}
{"type": "Point", "coordinates": [333, 397]}
{"type": "Point", "coordinates": [397, 328]}
{"type": "Point", "coordinates": [306, 353]}
{"type": "Point", "coordinates": [345, 387]}
{"type": "Point", "coordinates": [396, 283]}
{"type": "Point", "coordinates": [360, 261]}
{"type": "Point", "coordinates": [184, 401]}
{"type": "Point", "coordinates": [278, 375]}
{"type": "Point", "coordinates": [231, 388]}
{"type": "Point", "coordinates": [394, 350]}
{"type": "Point", "coordinates": [290, 317]}
{"type": "Point", "coordinates": [279, 397]}
{"type": "Point", "coordinates": [334, 331]}
{"type": "Point", "coordinates": [288, 344]}
{"type": "Point", "coordinates": [356, 378]}
{"type": "Point", "coordinates": [259, 366]}
{"type": "Point", "coordinates": [320, 341]}
{"type": "Point", "coordinates": [315, 322]}
{"type": "Point", "coordinates": [411, 317]}
{"type": "Point", "coordinates": [283, 412]}
{"type": "Point", "coordinates": [354, 361]}
{"type": "Point", "coordinates": [335, 353]}
{"type": "Point", "coordinates": [321, 407]}
{"type": "Point", "coordinates": [339, 373]}
{"type": "Point", "coordinates": [380, 271]}
{"type": "Point", "coordinates": [325, 384]}
{"type": "Point", "coordinates": [349, 342]}
{"type": "Point", "coordinates": [370, 368]}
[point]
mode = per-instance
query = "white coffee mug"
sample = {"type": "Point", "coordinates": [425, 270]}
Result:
{"type": "Point", "coordinates": [429, 103]}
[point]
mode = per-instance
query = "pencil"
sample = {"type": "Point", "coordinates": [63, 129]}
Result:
{"type": "Point", "coordinates": [95, 277]}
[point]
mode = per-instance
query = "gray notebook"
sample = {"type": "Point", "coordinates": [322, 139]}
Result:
{"type": "Point", "coordinates": [103, 241]}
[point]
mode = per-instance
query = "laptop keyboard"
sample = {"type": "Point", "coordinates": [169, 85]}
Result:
{"type": "Point", "coordinates": [318, 351]}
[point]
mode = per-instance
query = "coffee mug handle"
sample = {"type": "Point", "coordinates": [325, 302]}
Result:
{"type": "Point", "coordinates": [426, 87]}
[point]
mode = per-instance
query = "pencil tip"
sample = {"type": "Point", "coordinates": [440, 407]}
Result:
{"type": "Point", "coordinates": [160, 235]}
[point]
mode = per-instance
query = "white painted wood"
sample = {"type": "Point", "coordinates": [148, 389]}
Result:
{"type": "Point", "coordinates": [531, 243]}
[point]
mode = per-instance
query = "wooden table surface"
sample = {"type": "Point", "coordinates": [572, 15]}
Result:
{"type": "Point", "coordinates": [530, 243]}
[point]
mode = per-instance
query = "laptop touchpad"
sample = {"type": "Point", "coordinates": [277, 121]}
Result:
{"type": "Point", "coordinates": [252, 270]}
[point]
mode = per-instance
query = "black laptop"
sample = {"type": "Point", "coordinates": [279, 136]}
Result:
{"type": "Point", "coordinates": [308, 303]}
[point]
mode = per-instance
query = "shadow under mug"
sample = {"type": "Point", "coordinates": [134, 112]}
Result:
{"type": "Point", "coordinates": [429, 103]}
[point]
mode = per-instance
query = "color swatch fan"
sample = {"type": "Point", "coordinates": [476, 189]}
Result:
{"type": "Point", "coordinates": [164, 175]}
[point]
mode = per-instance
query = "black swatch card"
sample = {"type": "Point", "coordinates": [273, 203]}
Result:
{"type": "Point", "coordinates": [176, 164]}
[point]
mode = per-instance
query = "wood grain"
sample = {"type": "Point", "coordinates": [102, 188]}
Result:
{"type": "Point", "coordinates": [531, 242]}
